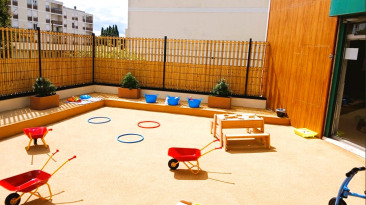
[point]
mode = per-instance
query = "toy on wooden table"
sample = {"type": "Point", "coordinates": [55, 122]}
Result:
{"type": "Point", "coordinates": [35, 133]}
{"type": "Point", "coordinates": [27, 182]}
{"type": "Point", "coordinates": [74, 99]}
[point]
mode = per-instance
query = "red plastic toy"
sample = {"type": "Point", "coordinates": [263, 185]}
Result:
{"type": "Point", "coordinates": [186, 155]}
{"type": "Point", "coordinates": [27, 182]}
{"type": "Point", "coordinates": [35, 133]}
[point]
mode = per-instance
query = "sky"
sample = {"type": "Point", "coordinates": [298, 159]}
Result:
{"type": "Point", "coordinates": [105, 13]}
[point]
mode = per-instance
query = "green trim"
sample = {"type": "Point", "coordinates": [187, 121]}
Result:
{"type": "Point", "coordinates": [335, 80]}
{"type": "Point", "coordinates": [345, 7]}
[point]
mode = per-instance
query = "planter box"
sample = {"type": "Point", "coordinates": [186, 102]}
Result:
{"type": "Point", "coordinates": [127, 93]}
{"type": "Point", "coordinates": [42, 103]}
{"type": "Point", "coordinates": [219, 102]}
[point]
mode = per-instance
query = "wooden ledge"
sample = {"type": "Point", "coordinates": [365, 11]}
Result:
{"type": "Point", "coordinates": [13, 122]}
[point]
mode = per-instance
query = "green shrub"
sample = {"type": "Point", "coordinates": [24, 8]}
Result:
{"type": "Point", "coordinates": [129, 81]}
{"type": "Point", "coordinates": [221, 89]}
{"type": "Point", "coordinates": [43, 87]}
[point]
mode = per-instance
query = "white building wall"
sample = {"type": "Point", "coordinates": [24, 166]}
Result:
{"type": "Point", "coordinates": [198, 19]}
{"type": "Point", "coordinates": [41, 13]}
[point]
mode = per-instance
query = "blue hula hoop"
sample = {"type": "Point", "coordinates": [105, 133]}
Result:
{"type": "Point", "coordinates": [142, 138]}
{"type": "Point", "coordinates": [108, 120]}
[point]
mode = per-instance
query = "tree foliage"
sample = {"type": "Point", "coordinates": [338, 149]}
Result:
{"type": "Point", "coordinates": [129, 81]}
{"type": "Point", "coordinates": [110, 31]}
{"type": "Point", "coordinates": [221, 89]}
{"type": "Point", "coordinates": [43, 87]}
{"type": "Point", "coordinates": [4, 14]}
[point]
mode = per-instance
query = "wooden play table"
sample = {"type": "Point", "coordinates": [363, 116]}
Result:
{"type": "Point", "coordinates": [253, 123]}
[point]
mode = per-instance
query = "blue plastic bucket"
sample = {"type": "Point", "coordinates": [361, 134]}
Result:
{"type": "Point", "coordinates": [150, 98]}
{"type": "Point", "coordinates": [194, 103]}
{"type": "Point", "coordinates": [173, 100]}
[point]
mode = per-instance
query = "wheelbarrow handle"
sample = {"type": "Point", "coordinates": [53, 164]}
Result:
{"type": "Point", "coordinates": [72, 158]}
{"type": "Point", "coordinates": [55, 152]}
{"type": "Point", "coordinates": [49, 159]}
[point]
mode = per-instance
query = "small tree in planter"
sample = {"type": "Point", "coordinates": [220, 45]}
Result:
{"type": "Point", "coordinates": [129, 87]}
{"type": "Point", "coordinates": [220, 96]}
{"type": "Point", "coordinates": [45, 95]}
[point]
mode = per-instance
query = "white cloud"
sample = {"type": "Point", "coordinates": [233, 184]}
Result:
{"type": "Point", "coordinates": [105, 12]}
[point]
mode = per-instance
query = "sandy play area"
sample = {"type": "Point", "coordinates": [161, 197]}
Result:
{"type": "Point", "coordinates": [294, 171]}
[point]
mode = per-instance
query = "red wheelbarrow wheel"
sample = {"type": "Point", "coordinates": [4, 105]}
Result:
{"type": "Point", "coordinates": [10, 199]}
{"type": "Point", "coordinates": [173, 164]}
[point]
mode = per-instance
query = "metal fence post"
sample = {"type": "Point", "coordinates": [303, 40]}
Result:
{"type": "Point", "coordinates": [93, 51]}
{"type": "Point", "coordinates": [165, 40]}
{"type": "Point", "coordinates": [248, 65]}
{"type": "Point", "coordinates": [39, 51]}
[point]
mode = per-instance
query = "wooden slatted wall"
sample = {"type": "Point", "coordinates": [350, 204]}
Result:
{"type": "Point", "coordinates": [191, 65]}
{"type": "Point", "coordinates": [302, 37]}
{"type": "Point", "coordinates": [143, 57]}
{"type": "Point", "coordinates": [67, 58]}
{"type": "Point", "coordinates": [18, 60]}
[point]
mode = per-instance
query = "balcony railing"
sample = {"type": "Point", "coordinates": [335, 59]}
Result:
{"type": "Point", "coordinates": [35, 7]}
{"type": "Point", "coordinates": [89, 20]}
{"type": "Point", "coordinates": [15, 16]}
{"type": "Point", "coordinates": [56, 22]}
{"type": "Point", "coordinates": [29, 18]}
{"type": "Point", "coordinates": [65, 25]}
{"type": "Point", "coordinates": [89, 29]}
{"type": "Point", "coordinates": [48, 9]}
{"type": "Point", "coordinates": [48, 21]}
{"type": "Point", "coordinates": [56, 10]}
{"type": "Point", "coordinates": [15, 3]}
{"type": "Point", "coordinates": [35, 18]}
{"type": "Point", "coordinates": [29, 6]}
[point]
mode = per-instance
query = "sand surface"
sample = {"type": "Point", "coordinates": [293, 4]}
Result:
{"type": "Point", "coordinates": [294, 171]}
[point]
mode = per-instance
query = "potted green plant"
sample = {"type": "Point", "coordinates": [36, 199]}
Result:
{"type": "Point", "coordinates": [45, 95]}
{"type": "Point", "coordinates": [220, 96]}
{"type": "Point", "coordinates": [129, 87]}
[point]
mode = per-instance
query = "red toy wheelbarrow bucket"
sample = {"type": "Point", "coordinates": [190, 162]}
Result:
{"type": "Point", "coordinates": [27, 182]}
{"type": "Point", "coordinates": [186, 155]}
{"type": "Point", "coordinates": [35, 133]}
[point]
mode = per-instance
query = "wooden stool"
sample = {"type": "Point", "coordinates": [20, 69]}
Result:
{"type": "Point", "coordinates": [263, 137]}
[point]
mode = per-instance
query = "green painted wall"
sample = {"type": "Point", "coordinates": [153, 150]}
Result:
{"type": "Point", "coordinates": [345, 7]}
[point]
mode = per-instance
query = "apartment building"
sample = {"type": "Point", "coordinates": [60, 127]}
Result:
{"type": "Point", "coordinates": [199, 19]}
{"type": "Point", "coordinates": [50, 15]}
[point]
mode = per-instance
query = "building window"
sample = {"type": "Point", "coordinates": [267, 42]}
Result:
{"type": "Point", "coordinates": [30, 25]}
{"type": "Point", "coordinates": [15, 23]}
{"type": "Point", "coordinates": [47, 27]}
{"type": "Point", "coordinates": [35, 14]}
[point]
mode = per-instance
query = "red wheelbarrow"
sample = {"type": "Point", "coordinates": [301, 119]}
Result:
{"type": "Point", "coordinates": [35, 133]}
{"type": "Point", "coordinates": [187, 155]}
{"type": "Point", "coordinates": [27, 182]}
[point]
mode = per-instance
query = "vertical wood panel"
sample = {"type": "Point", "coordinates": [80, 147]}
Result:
{"type": "Point", "coordinates": [301, 36]}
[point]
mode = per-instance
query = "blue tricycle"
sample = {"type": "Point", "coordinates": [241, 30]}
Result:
{"type": "Point", "coordinates": [344, 191]}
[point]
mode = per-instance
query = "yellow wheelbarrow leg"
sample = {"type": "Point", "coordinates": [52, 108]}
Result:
{"type": "Point", "coordinates": [192, 166]}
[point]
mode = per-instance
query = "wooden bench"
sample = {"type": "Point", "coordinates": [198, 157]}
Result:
{"type": "Point", "coordinates": [264, 138]}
